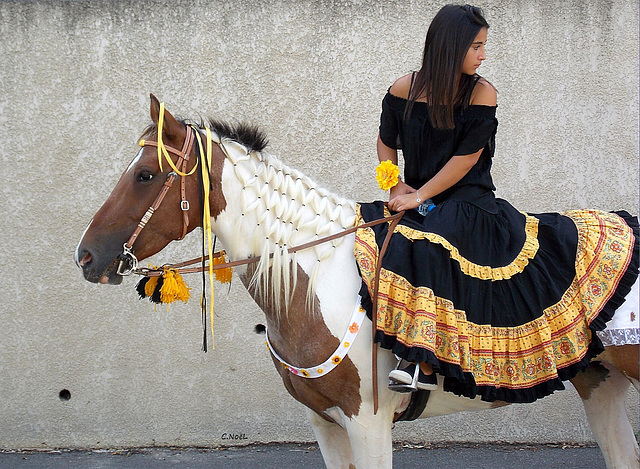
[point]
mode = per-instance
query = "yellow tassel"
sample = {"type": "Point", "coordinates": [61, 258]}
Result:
{"type": "Point", "coordinates": [173, 287]}
{"type": "Point", "coordinates": [222, 275]}
{"type": "Point", "coordinates": [150, 286]}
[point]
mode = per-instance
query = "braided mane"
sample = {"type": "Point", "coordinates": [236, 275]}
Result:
{"type": "Point", "coordinates": [290, 210]}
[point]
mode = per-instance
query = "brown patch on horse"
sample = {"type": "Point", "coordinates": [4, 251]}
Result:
{"type": "Point", "coordinates": [302, 338]}
{"type": "Point", "coordinates": [175, 130]}
{"type": "Point", "coordinates": [217, 202]}
{"type": "Point", "coordinates": [589, 379]}
{"type": "Point", "coordinates": [624, 357]}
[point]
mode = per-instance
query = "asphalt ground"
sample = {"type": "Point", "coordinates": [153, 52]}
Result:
{"type": "Point", "coordinates": [296, 455]}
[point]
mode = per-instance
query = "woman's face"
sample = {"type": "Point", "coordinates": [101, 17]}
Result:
{"type": "Point", "coordinates": [475, 54]}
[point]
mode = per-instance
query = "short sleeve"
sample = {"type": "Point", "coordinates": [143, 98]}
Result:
{"type": "Point", "coordinates": [390, 122]}
{"type": "Point", "coordinates": [478, 128]}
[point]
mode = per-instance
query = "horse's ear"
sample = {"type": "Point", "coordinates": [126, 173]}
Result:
{"type": "Point", "coordinates": [171, 126]}
{"type": "Point", "coordinates": [155, 108]}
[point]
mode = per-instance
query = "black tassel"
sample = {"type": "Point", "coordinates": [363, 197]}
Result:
{"type": "Point", "coordinates": [140, 287]}
{"type": "Point", "coordinates": [155, 298]}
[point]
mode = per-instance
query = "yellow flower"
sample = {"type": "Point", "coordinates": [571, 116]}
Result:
{"type": "Point", "coordinates": [387, 175]}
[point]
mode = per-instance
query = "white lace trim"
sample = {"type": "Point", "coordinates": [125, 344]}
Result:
{"type": "Point", "coordinates": [620, 336]}
{"type": "Point", "coordinates": [624, 327]}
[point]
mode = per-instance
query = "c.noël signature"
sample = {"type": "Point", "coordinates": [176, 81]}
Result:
{"type": "Point", "coordinates": [234, 436]}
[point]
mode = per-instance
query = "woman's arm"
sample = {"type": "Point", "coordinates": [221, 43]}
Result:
{"type": "Point", "coordinates": [401, 89]}
{"type": "Point", "coordinates": [455, 169]}
{"type": "Point", "coordinates": [386, 153]}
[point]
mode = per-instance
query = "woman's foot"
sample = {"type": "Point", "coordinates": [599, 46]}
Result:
{"type": "Point", "coordinates": [412, 378]}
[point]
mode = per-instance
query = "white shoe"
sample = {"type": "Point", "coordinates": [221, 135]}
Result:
{"type": "Point", "coordinates": [411, 379]}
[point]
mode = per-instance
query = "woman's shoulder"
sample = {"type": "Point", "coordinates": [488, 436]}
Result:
{"type": "Point", "coordinates": [402, 86]}
{"type": "Point", "coordinates": [484, 93]}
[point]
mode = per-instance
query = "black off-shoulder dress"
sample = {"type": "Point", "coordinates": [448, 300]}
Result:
{"type": "Point", "coordinates": [504, 304]}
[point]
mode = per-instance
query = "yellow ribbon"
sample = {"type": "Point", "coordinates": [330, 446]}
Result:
{"type": "Point", "coordinates": [162, 150]}
{"type": "Point", "coordinates": [206, 184]}
{"type": "Point", "coordinates": [206, 219]}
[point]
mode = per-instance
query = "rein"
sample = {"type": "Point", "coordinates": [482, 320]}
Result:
{"type": "Point", "coordinates": [182, 267]}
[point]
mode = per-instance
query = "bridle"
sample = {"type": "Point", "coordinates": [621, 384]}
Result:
{"type": "Point", "coordinates": [128, 261]}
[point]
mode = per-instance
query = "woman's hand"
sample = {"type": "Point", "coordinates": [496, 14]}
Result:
{"type": "Point", "coordinates": [404, 201]}
{"type": "Point", "coordinates": [400, 189]}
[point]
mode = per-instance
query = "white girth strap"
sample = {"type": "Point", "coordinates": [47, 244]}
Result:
{"type": "Point", "coordinates": [336, 358]}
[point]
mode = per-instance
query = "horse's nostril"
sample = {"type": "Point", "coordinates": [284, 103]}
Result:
{"type": "Point", "coordinates": [85, 259]}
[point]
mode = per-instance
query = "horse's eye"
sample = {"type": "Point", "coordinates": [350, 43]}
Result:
{"type": "Point", "coordinates": [144, 176]}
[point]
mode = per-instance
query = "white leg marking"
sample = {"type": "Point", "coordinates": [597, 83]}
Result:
{"type": "Point", "coordinates": [608, 419]}
{"type": "Point", "coordinates": [333, 441]}
{"type": "Point", "coordinates": [370, 437]}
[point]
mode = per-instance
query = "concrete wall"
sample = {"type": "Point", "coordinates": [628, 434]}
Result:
{"type": "Point", "coordinates": [75, 77]}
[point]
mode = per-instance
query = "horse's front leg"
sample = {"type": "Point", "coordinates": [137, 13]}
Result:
{"type": "Point", "coordinates": [603, 390]}
{"type": "Point", "coordinates": [333, 441]}
{"type": "Point", "coordinates": [357, 442]}
{"type": "Point", "coordinates": [370, 437]}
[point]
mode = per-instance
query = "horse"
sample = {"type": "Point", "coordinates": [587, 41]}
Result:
{"type": "Point", "coordinates": [260, 207]}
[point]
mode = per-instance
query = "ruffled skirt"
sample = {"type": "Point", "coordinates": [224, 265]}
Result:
{"type": "Point", "coordinates": [505, 305]}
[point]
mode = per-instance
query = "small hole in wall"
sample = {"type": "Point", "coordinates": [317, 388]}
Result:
{"type": "Point", "coordinates": [260, 329]}
{"type": "Point", "coordinates": [64, 395]}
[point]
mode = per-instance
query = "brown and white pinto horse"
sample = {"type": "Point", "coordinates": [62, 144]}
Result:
{"type": "Point", "coordinates": [258, 208]}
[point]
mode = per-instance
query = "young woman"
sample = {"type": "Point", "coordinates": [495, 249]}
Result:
{"type": "Point", "coordinates": [493, 299]}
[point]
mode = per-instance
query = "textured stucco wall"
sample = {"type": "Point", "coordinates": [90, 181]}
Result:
{"type": "Point", "coordinates": [75, 77]}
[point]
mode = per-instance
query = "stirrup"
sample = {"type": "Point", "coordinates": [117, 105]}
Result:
{"type": "Point", "coordinates": [402, 387]}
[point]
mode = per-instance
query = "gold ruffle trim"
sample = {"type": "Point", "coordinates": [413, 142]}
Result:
{"type": "Point", "coordinates": [483, 272]}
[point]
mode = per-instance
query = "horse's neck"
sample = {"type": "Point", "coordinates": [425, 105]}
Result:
{"type": "Point", "coordinates": [270, 208]}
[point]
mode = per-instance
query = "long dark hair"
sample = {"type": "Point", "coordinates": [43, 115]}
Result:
{"type": "Point", "coordinates": [440, 79]}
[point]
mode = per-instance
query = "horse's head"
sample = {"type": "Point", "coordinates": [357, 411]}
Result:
{"type": "Point", "coordinates": [100, 251]}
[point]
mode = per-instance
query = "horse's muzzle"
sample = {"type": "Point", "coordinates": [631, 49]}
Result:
{"type": "Point", "coordinates": [95, 271]}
